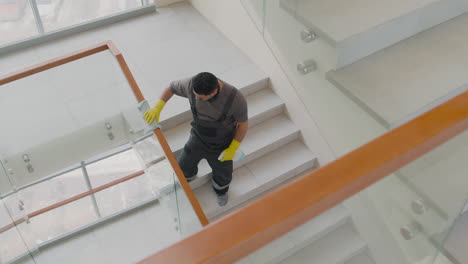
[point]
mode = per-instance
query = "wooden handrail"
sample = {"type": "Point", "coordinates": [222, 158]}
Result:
{"type": "Point", "coordinates": [72, 199]}
{"type": "Point", "coordinates": [53, 63]}
{"type": "Point", "coordinates": [162, 140]}
{"type": "Point", "coordinates": [108, 45]}
{"type": "Point", "coordinates": [246, 230]}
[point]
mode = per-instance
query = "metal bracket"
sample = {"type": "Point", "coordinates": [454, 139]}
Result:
{"type": "Point", "coordinates": [418, 206]}
{"type": "Point", "coordinates": [20, 205]}
{"type": "Point", "coordinates": [306, 66]}
{"type": "Point", "coordinates": [27, 160]}
{"type": "Point", "coordinates": [308, 36]}
{"type": "Point", "coordinates": [110, 135]}
{"type": "Point", "coordinates": [410, 231]}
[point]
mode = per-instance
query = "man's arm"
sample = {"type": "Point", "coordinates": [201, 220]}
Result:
{"type": "Point", "coordinates": [241, 130]}
{"type": "Point", "coordinates": [166, 94]}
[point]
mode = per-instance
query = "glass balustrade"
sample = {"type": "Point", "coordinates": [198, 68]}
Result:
{"type": "Point", "coordinates": [79, 164]}
{"type": "Point", "coordinates": [418, 203]}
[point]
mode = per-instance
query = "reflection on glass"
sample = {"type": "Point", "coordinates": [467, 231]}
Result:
{"type": "Point", "coordinates": [82, 111]}
{"type": "Point", "coordinates": [12, 242]}
{"type": "Point", "coordinates": [256, 9]}
{"type": "Point", "coordinates": [57, 14]}
{"type": "Point", "coordinates": [421, 201]}
{"type": "Point", "coordinates": [63, 220]}
{"type": "Point", "coordinates": [188, 220]}
{"type": "Point", "coordinates": [113, 168]}
{"type": "Point", "coordinates": [16, 21]}
{"type": "Point", "coordinates": [52, 191]}
{"type": "Point", "coordinates": [124, 195]}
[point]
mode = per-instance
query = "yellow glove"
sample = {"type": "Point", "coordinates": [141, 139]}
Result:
{"type": "Point", "coordinates": [228, 154]}
{"type": "Point", "coordinates": [154, 112]}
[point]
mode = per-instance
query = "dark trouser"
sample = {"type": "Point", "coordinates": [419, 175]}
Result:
{"type": "Point", "coordinates": [193, 152]}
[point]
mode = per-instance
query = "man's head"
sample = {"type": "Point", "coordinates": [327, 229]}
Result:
{"type": "Point", "coordinates": [205, 86]}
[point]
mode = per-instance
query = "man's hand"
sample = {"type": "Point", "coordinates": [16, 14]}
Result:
{"type": "Point", "coordinates": [153, 113]}
{"type": "Point", "coordinates": [228, 154]}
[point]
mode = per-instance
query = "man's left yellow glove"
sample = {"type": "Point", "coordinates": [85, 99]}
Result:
{"type": "Point", "coordinates": [228, 154]}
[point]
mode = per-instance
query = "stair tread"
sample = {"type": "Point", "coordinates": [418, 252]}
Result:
{"type": "Point", "coordinates": [300, 237]}
{"type": "Point", "coordinates": [246, 183]}
{"type": "Point", "coordinates": [261, 136]}
{"type": "Point", "coordinates": [361, 259]}
{"type": "Point", "coordinates": [410, 74]}
{"type": "Point", "coordinates": [258, 103]}
{"type": "Point", "coordinates": [341, 19]}
{"type": "Point", "coordinates": [338, 246]}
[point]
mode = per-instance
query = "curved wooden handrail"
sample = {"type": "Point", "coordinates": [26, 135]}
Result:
{"type": "Point", "coordinates": [244, 231]}
{"type": "Point", "coordinates": [108, 45]}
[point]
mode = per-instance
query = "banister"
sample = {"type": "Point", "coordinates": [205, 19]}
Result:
{"type": "Point", "coordinates": [246, 230]}
{"type": "Point", "coordinates": [108, 45]}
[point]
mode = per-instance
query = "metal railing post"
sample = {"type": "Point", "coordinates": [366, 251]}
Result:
{"type": "Point", "coordinates": [37, 16]}
{"type": "Point", "coordinates": [88, 183]}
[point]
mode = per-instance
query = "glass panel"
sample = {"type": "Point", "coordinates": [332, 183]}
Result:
{"type": "Point", "coordinates": [80, 110]}
{"type": "Point", "coordinates": [256, 11]}
{"type": "Point", "coordinates": [417, 217]}
{"type": "Point", "coordinates": [124, 195]}
{"type": "Point", "coordinates": [13, 243]}
{"type": "Point", "coordinates": [57, 14]}
{"type": "Point", "coordinates": [85, 116]}
{"type": "Point", "coordinates": [16, 21]}
{"type": "Point", "coordinates": [188, 220]}
{"type": "Point", "coordinates": [421, 201]}
{"type": "Point", "coordinates": [52, 191]}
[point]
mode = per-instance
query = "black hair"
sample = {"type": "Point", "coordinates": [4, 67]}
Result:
{"type": "Point", "coordinates": [205, 83]}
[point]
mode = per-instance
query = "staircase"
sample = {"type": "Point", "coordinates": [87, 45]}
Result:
{"type": "Point", "coordinates": [359, 28]}
{"type": "Point", "coordinates": [274, 152]}
{"type": "Point", "coordinates": [382, 53]}
{"type": "Point", "coordinates": [328, 238]}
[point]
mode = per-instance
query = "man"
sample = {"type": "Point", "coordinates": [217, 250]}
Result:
{"type": "Point", "coordinates": [219, 125]}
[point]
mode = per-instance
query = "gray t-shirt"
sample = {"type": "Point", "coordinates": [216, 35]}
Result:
{"type": "Point", "coordinates": [212, 110]}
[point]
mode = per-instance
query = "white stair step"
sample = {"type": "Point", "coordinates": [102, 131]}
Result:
{"type": "Point", "coordinates": [361, 259]}
{"type": "Point", "coordinates": [262, 105]}
{"type": "Point", "coordinates": [406, 77]}
{"type": "Point", "coordinates": [257, 177]}
{"type": "Point", "coordinates": [260, 140]}
{"type": "Point", "coordinates": [300, 237]}
{"type": "Point", "coordinates": [361, 27]}
{"type": "Point", "coordinates": [248, 79]}
{"type": "Point", "coordinates": [337, 247]}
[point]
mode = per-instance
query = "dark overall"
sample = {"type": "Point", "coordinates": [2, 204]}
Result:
{"type": "Point", "coordinates": [207, 140]}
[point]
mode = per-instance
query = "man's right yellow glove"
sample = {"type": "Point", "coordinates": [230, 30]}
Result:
{"type": "Point", "coordinates": [154, 112]}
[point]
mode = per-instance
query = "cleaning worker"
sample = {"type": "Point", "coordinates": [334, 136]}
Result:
{"type": "Point", "coordinates": [219, 125]}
